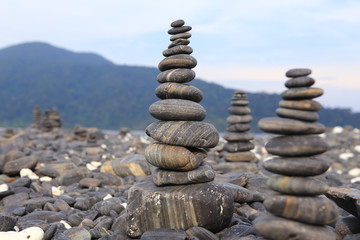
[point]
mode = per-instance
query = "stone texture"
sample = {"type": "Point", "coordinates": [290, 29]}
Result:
{"type": "Point", "coordinates": [179, 42]}
{"type": "Point", "coordinates": [177, 109]}
{"type": "Point", "coordinates": [239, 119]}
{"type": "Point", "coordinates": [346, 198]}
{"type": "Point", "coordinates": [164, 234]}
{"type": "Point", "coordinates": [305, 105]}
{"type": "Point", "coordinates": [298, 72]}
{"type": "Point", "coordinates": [238, 136]}
{"type": "Point", "coordinates": [180, 35]}
{"type": "Point", "coordinates": [299, 82]}
{"type": "Point", "coordinates": [180, 91]}
{"type": "Point", "coordinates": [184, 133]}
{"type": "Point", "coordinates": [236, 110]}
{"type": "Point", "coordinates": [207, 205]}
{"type": "Point", "coordinates": [177, 30]}
{"type": "Point", "coordinates": [301, 93]}
{"type": "Point", "coordinates": [180, 49]}
{"type": "Point", "coordinates": [177, 61]}
{"type": "Point", "coordinates": [297, 114]}
{"type": "Point", "coordinates": [177, 23]}
{"type": "Point", "coordinates": [13, 167]}
{"type": "Point", "coordinates": [238, 127]}
{"type": "Point", "coordinates": [240, 157]}
{"type": "Point", "coordinates": [273, 227]}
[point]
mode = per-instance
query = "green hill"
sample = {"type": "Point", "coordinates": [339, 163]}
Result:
{"type": "Point", "coordinates": [91, 91]}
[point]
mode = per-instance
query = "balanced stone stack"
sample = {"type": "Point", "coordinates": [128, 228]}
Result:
{"type": "Point", "coordinates": [180, 194]}
{"type": "Point", "coordinates": [37, 117]}
{"type": "Point", "coordinates": [239, 143]}
{"type": "Point", "coordinates": [45, 124]}
{"type": "Point", "coordinates": [55, 118]}
{"type": "Point", "coordinates": [300, 212]}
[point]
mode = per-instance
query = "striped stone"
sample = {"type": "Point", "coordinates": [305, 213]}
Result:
{"type": "Point", "coordinates": [177, 61]}
{"type": "Point", "coordinates": [301, 93]}
{"type": "Point", "coordinates": [179, 91]}
{"type": "Point", "coordinates": [306, 105]}
{"type": "Point", "coordinates": [178, 75]}
{"type": "Point", "coordinates": [297, 114]}
{"type": "Point", "coordinates": [180, 49]}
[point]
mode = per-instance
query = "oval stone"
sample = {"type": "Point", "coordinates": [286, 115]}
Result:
{"type": "Point", "coordinates": [178, 42]}
{"type": "Point", "coordinates": [287, 126]}
{"type": "Point", "coordinates": [177, 61]}
{"type": "Point", "coordinates": [298, 72]}
{"type": "Point", "coordinates": [235, 110]}
{"type": "Point", "coordinates": [273, 227]}
{"type": "Point", "coordinates": [209, 205]}
{"type": "Point", "coordinates": [174, 157]}
{"type": "Point", "coordinates": [307, 166]}
{"type": "Point", "coordinates": [179, 91]}
{"type": "Point", "coordinates": [180, 35]}
{"type": "Point", "coordinates": [184, 133]}
{"type": "Point", "coordinates": [177, 23]}
{"type": "Point", "coordinates": [296, 146]}
{"type": "Point", "coordinates": [306, 105]}
{"type": "Point", "coordinates": [176, 30]}
{"type": "Point", "coordinates": [238, 136]}
{"type": "Point", "coordinates": [180, 49]}
{"type": "Point", "coordinates": [13, 167]}
{"type": "Point", "coordinates": [312, 210]}
{"type": "Point", "coordinates": [297, 185]}
{"type": "Point", "coordinates": [204, 173]}
{"type": "Point", "coordinates": [299, 82]}
{"type": "Point", "coordinates": [240, 157]}
{"type": "Point", "coordinates": [297, 114]}
{"type": "Point", "coordinates": [178, 75]}
{"type": "Point", "coordinates": [239, 119]}
{"type": "Point", "coordinates": [238, 127]}
{"type": "Point", "coordinates": [177, 109]}
{"type": "Point", "coordinates": [238, 146]}
{"type": "Point", "coordinates": [302, 93]}
{"type": "Point", "coordinates": [239, 102]}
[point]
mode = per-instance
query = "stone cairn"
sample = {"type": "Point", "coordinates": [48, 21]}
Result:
{"type": "Point", "coordinates": [45, 124]}
{"type": "Point", "coordinates": [55, 118]}
{"type": "Point", "coordinates": [239, 143]}
{"type": "Point", "coordinates": [180, 194]}
{"type": "Point", "coordinates": [298, 210]}
{"type": "Point", "coordinates": [37, 117]}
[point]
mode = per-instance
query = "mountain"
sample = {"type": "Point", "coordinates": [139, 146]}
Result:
{"type": "Point", "coordinates": [91, 91]}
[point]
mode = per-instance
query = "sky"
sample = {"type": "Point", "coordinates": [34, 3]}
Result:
{"type": "Point", "coordinates": [239, 44]}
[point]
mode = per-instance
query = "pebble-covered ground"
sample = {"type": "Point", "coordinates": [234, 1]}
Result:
{"type": "Point", "coordinates": [73, 184]}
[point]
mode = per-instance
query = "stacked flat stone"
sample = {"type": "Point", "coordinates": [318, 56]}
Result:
{"type": "Point", "coordinates": [55, 118]}
{"type": "Point", "coordinates": [299, 209]}
{"type": "Point", "coordinates": [37, 117]}
{"type": "Point", "coordinates": [238, 139]}
{"type": "Point", "coordinates": [180, 187]}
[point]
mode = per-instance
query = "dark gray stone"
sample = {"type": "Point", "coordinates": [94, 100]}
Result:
{"type": "Point", "coordinates": [297, 114]}
{"type": "Point", "coordinates": [177, 61]}
{"type": "Point", "coordinates": [164, 234]}
{"type": "Point", "coordinates": [180, 49]}
{"type": "Point", "coordinates": [301, 93]}
{"type": "Point", "coordinates": [179, 91]}
{"type": "Point", "coordinates": [176, 30]}
{"type": "Point", "coordinates": [299, 82]}
{"type": "Point", "coordinates": [298, 72]}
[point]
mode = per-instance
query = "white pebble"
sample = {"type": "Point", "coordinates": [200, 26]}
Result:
{"type": "Point", "coordinates": [124, 205]}
{"type": "Point", "coordinates": [144, 140]}
{"type": "Point", "coordinates": [95, 164]}
{"type": "Point", "coordinates": [45, 179]}
{"type": "Point", "coordinates": [323, 135]}
{"type": "Point", "coordinates": [57, 191]}
{"type": "Point", "coordinates": [354, 180]}
{"type": "Point", "coordinates": [103, 146]}
{"type": "Point", "coordinates": [339, 172]}
{"type": "Point", "coordinates": [354, 172]}
{"type": "Point", "coordinates": [356, 130]}
{"type": "Point", "coordinates": [31, 233]}
{"type": "Point", "coordinates": [346, 156]}
{"type": "Point", "coordinates": [107, 197]}
{"type": "Point", "coordinates": [90, 167]}
{"type": "Point", "coordinates": [357, 148]}
{"type": "Point", "coordinates": [337, 130]}
{"type": "Point", "coordinates": [66, 225]}
{"type": "Point", "coordinates": [26, 172]}
{"type": "Point", "coordinates": [4, 187]}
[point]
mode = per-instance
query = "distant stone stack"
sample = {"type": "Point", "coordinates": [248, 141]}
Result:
{"type": "Point", "coordinates": [55, 118]}
{"type": "Point", "coordinates": [175, 195]}
{"type": "Point", "coordinates": [45, 124]}
{"type": "Point", "coordinates": [238, 139]}
{"type": "Point", "coordinates": [299, 210]}
{"type": "Point", "coordinates": [37, 117]}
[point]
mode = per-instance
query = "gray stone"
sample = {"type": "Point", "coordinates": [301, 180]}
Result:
{"type": "Point", "coordinates": [77, 233]}
{"type": "Point", "coordinates": [238, 146]}
{"type": "Point", "coordinates": [297, 114]}
{"type": "Point", "coordinates": [178, 42]}
{"type": "Point", "coordinates": [305, 105]}
{"type": "Point", "coordinates": [237, 231]}
{"type": "Point", "coordinates": [298, 72]}
{"type": "Point", "coordinates": [13, 167]}
{"type": "Point", "coordinates": [177, 75]}
{"type": "Point", "coordinates": [176, 30]}
{"type": "Point", "coordinates": [238, 110]}
{"type": "Point", "coordinates": [299, 82]}
{"type": "Point", "coordinates": [348, 225]}
{"type": "Point", "coordinates": [301, 93]}
{"type": "Point", "coordinates": [177, 23]}
{"type": "Point", "coordinates": [238, 127]}
{"type": "Point", "coordinates": [177, 61]}
{"type": "Point", "coordinates": [207, 205]}
{"type": "Point", "coordinates": [238, 136]}
{"type": "Point", "coordinates": [180, 35]}
{"type": "Point", "coordinates": [240, 194]}
{"type": "Point", "coordinates": [201, 233]}
{"type": "Point", "coordinates": [177, 90]}
{"type": "Point", "coordinates": [180, 49]}
{"type": "Point", "coordinates": [177, 110]}
{"type": "Point", "coordinates": [7, 223]}
{"type": "Point", "coordinates": [164, 234]}
{"type": "Point", "coordinates": [287, 126]}
{"type": "Point", "coordinates": [184, 133]}
{"type": "Point", "coordinates": [74, 176]}
{"type": "Point", "coordinates": [239, 119]}
{"type": "Point", "coordinates": [346, 198]}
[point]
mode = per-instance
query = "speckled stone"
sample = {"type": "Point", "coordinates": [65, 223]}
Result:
{"type": "Point", "coordinates": [239, 119]}
{"type": "Point", "coordinates": [299, 82]}
{"type": "Point", "coordinates": [305, 105]}
{"type": "Point", "coordinates": [177, 30]}
{"type": "Point", "coordinates": [301, 93]}
{"type": "Point", "coordinates": [238, 110]}
{"type": "Point", "coordinates": [238, 136]}
{"type": "Point", "coordinates": [180, 49]}
{"type": "Point", "coordinates": [312, 210]}
{"type": "Point", "coordinates": [287, 126]}
{"type": "Point", "coordinates": [297, 185]}
{"type": "Point", "coordinates": [177, 61]}
{"type": "Point", "coordinates": [179, 91]}
{"type": "Point", "coordinates": [297, 114]}
{"type": "Point", "coordinates": [174, 157]}
{"type": "Point", "coordinates": [177, 110]}
{"type": "Point", "coordinates": [298, 72]}
{"type": "Point", "coordinates": [238, 127]}
{"type": "Point", "coordinates": [178, 75]}
{"type": "Point", "coordinates": [204, 173]}
{"type": "Point", "coordinates": [283, 229]}
{"type": "Point", "coordinates": [184, 133]}
{"type": "Point", "coordinates": [306, 166]}
{"type": "Point", "coordinates": [207, 205]}
{"type": "Point", "coordinates": [296, 146]}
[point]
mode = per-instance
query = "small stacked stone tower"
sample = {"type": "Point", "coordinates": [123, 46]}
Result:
{"type": "Point", "coordinates": [239, 143]}
{"type": "Point", "coordinates": [37, 117]}
{"type": "Point", "coordinates": [299, 210]}
{"type": "Point", "coordinates": [181, 192]}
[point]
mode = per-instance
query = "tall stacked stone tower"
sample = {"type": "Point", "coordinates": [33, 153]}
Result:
{"type": "Point", "coordinates": [299, 212]}
{"type": "Point", "coordinates": [181, 192]}
{"type": "Point", "coordinates": [238, 139]}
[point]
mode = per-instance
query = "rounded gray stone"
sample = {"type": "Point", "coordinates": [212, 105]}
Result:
{"type": "Point", "coordinates": [238, 136]}
{"type": "Point", "coordinates": [180, 35]}
{"type": "Point", "coordinates": [178, 91]}
{"type": "Point", "coordinates": [180, 49]}
{"type": "Point", "coordinates": [305, 105]}
{"type": "Point", "coordinates": [239, 119]}
{"type": "Point", "coordinates": [297, 114]}
{"type": "Point", "coordinates": [301, 93]}
{"type": "Point", "coordinates": [179, 42]}
{"type": "Point", "coordinates": [176, 30]}
{"type": "Point", "coordinates": [178, 75]}
{"type": "Point", "coordinates": [177, 61]}
{"type": "Point", "coordinates": [299, 82]}
{"type": "Point", "coordinates": [238, 127]}
{"type": "Point", "coordinates": [177, 23]}
{"type": "Point", "coordinates": [239, 110]}
{"type": "Point", "coordinates": [238, 146]}
{"type": "Point", "coordinates": [298, 72]}
{"type": "Point", "coordinates": [177, 110]}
